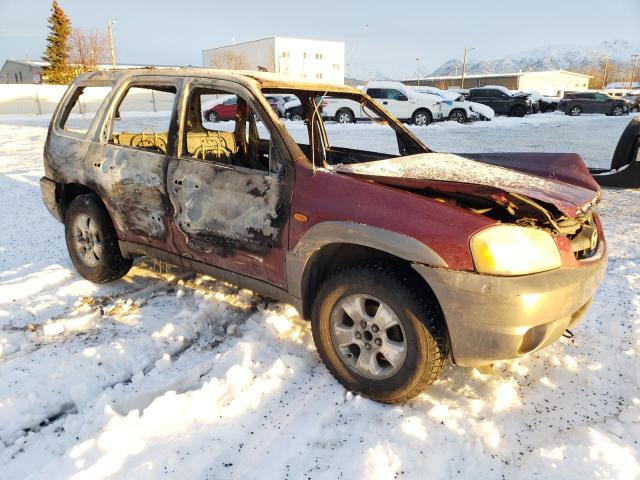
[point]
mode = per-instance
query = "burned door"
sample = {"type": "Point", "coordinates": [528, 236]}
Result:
{"type": "Point", "coordinates": [228, 189]}
{"type": "Point", "coordinates": [129, 166]}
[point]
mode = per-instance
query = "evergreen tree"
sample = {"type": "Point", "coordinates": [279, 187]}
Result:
{"type": "Point", "coordinates": [57, 50]}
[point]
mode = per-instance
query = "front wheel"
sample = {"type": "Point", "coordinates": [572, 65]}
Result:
{"type": "Point", "coordinates": [296, 117]}
{"type": "Point", "coordinates": [92, 241]}
{"type": "Point", "coordinates": [213, 117]}
{"type": "Point", "coordinates": [421, 118]}
{"type": "Point", "coordinates": [575, 111]}
{"type": "Point", "coordinates": [517, 111]}
{"type": "Point", "coordinates": [378, 334]}
{"type": "Point", "coordinates": [458, 116]}
{"type": "Point", "coordinates": [617, 111]}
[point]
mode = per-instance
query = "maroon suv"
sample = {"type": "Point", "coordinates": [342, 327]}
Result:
{"type": "Point", "coordinates": [402, 258]}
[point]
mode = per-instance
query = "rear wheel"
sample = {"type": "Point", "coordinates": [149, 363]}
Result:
{"type": "Point", "coordinates": [378, 334]}
{"type": "Point", "coordinates": [575, 111]}
{"type": "Point", "coordinates": [296, 117]}
{"type": "Point", "coordinates": [213, 117]}
{"type": "Point", "coordinates": [345, 115]}
{"type": "Point", "coordinates": [92, 241]}
{"type": "Point", "coordinates": [458, 116]}
{"type": "Point", "coordinates": [421, 118]}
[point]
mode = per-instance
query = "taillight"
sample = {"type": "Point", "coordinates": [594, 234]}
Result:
{"type": "Point", "coordinates": [324, 103]}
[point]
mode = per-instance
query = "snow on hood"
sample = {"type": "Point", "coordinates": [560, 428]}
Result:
{"type": "Point", "coordinates": [483, 110]}
{"type": "Point", "coordinates": [427, 169]}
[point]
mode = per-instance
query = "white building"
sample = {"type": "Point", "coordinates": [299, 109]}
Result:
{"type": "Point", "coordinates": [299, 58]}
{"type": "Point", "coordinates": [550, 82]}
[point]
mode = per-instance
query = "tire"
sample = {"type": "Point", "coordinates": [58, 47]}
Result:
{"type": "Point", "coordinates": [344, 115]}
{"type": "Point", "coordinates": [517, 111]}
{"type": "Point", "coordinates": [296, 117]}
{"type": "Point", "coordinates": [421, 117]}
{"type": "Point", "coordinates": [92, 241]}
{"type": "Point", "coordinates": [418, 341]}
{"type": "Point", "coordinates": [617, 111]}
{"type": "Point", "coordinates": [213, 117]}
{"type": "Point", "coordinates": [457, 115]}
{"type": "Point", "coordinates": [575, 111]}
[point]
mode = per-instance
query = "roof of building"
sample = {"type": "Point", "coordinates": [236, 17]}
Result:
{"type": "Point", "coordinates": [105, 66]}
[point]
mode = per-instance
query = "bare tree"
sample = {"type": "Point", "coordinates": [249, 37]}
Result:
{"type": "Point", "coordinates": [88, 49]}
{"type": "Point", "coordinates": [230, 61]}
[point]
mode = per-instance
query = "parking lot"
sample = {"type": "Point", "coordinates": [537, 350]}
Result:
{"type": "Point", "coordinates": [175, 373]}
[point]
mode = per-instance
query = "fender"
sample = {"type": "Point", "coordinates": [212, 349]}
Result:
{"type": "Point", "coordinates": [330, 232]}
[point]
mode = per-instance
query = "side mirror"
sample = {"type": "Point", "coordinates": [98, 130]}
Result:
{"type": "Point", "coordinates": [402, 98]}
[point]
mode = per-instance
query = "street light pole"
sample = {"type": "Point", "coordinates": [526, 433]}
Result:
{"type": "Point", "coordinates": [604, 76]}
{"type": "Point", "coordinates": [113, 50]}
{"type": "Point", "coordinates": [418, 60]}
{"type": "Point", "coordinates": [464, 65]}
{"type": "Point", "coordinates": [634, 58]}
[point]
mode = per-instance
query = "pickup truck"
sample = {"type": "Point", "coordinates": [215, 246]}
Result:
{"type": "Point", "coordinates": [401, 101]}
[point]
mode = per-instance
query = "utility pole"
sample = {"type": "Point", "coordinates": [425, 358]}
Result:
{"type": "Point", "coordinates": [604, 77]}
{"type": "Point", "coordinates": [418, 60]}
{"type": "Point", "coordinates": [113, 50]}
{"type": "Point", "coordinates": [464, 65]}
{"type": "Point", "coordinates": [634, 58]}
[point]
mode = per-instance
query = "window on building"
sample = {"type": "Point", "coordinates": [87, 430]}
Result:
{"type": "Point", "coordinates": [284, 54]}
{"type": "Point", "coordinates": [143, 117]}
{"type": "Point", "coordinates": [319, 75]}
{"type": "Point", "coordinates": [336, 66]}
{"type": "Point", "coordinates": [318, 56]}
{"type": "Point", "coordinates": [304, 55]}
{"type": "Point", "coordinates": [82, 107]}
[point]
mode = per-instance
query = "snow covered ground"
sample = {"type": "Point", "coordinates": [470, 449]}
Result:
{"type": "Point", "coordinates": [170, 374]}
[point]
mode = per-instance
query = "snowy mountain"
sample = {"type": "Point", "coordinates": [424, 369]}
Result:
{"type": "Point", "coordinates": [565, 57]}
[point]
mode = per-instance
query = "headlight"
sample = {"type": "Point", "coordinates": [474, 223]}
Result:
{"type": "Point", "coordinates": [513, 250]}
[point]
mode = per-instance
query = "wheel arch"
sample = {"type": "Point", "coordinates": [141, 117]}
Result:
{"type": "Point", "coordinates": [328, 246]}
{"type": "Point", "coordinates": [348, 110]}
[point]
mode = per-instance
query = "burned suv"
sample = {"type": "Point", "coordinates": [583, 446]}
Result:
{"type": "Point", "coordinates": [402, 258]}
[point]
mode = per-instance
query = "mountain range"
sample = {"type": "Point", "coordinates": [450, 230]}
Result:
{"type": "Point", "coordinates": [554, 57]}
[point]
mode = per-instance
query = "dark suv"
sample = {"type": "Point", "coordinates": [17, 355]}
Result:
{"type": "Point", "coordinates": [502, 101]}
{"type": "Point", "coordinates": [402, 258]}
{"type": "Point", "coordinates": [576, 103]}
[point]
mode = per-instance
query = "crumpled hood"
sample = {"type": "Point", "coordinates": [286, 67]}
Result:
{"type": "Point", "coordinates": [453, 173]}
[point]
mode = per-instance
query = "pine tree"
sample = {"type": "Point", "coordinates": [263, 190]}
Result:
{"type": "Point", "coordinates": [57, 50]}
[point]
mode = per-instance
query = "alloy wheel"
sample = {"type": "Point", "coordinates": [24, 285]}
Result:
{"type": "Point", "coordinates": [87, 240]}
{"type": "Point", "coordinates": [368, 336]}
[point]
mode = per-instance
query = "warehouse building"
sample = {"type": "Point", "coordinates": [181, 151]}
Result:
{"type": "Point", "coordinates": [550, 82]}
{"type": "Point", "coordinates": [299, 58]}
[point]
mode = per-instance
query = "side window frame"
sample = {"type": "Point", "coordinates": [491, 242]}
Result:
{"type": "Point", "coordinates": [277, 144]}
{"type": "Point", "coordinates": [119, 94]}
{"type": "Point", "coordinates": [68, 102]}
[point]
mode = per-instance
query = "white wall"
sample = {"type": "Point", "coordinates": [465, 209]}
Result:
{"type": "Point", "coordinates": [257, 53]}
{"type": "Point", "coordinates": [43, 99]}
{"type": "Point", "coordinates": [550, 83]}
{"type": "Point", "coordinates": [311, 60]}
{"type": "Point", "coordinates": [295, 57]}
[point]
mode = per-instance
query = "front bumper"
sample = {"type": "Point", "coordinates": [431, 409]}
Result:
{"type": "Point", "coordinates": [48, 192]}
{"type": "Point", "coordinates": [491, 318]}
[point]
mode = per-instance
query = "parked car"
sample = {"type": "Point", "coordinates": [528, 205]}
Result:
{"type": "Point", "coordinates": [577, 103]}
{"type": "Point", "coordinates": [400, 100]}
{"type": "Point", "coordinates": [502, 100]}
{"type": "Point", "coordinates": [279, 101]}
{"type": "Point", "coordinates": [402, 258]}
{"type": "Point", "coordinates": [227, 109]}
{"type": "Point", "coordinates": [455, 106]}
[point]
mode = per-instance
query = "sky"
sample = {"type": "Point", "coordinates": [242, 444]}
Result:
{"type": "Point", "coordinates": [381, 37]}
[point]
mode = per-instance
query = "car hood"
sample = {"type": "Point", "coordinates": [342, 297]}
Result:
{"type": "Point", "coordinates": [561, 180]}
